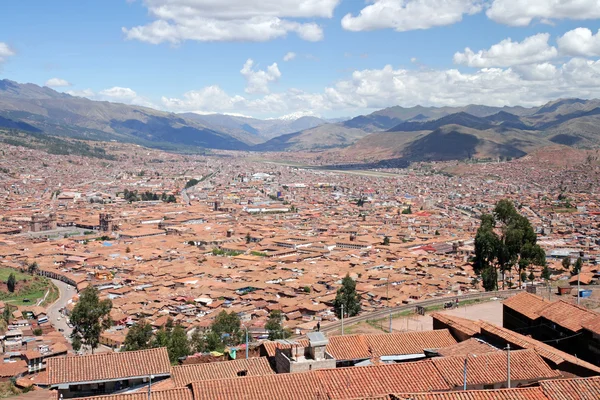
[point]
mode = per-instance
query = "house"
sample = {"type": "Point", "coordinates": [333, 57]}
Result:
{"type": "Point", "coordinates": [105, 373]}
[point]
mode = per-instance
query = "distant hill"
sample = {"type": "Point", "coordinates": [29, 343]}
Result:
{"type": "Point", "coordinates": [60, 114]}
{"type": "Point", "coordinates": [461, 135]}
{"type": "Point", "coordinates": [252, 130]}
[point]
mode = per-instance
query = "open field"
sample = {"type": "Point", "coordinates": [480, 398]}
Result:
{"type": "Point", "coordinates": [29, 289]}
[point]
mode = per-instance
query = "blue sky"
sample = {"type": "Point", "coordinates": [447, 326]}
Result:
{"type": "Point", "coordinates": [351, 57]}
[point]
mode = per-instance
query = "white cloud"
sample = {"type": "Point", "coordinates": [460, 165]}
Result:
{"type": "Point", "coordinates": [406, 15]}
{"type": "Point", "coordinates": [231, 20]}
{"type": "Point", "coordinates": [534, 49]}
{"type": "Point", "coordinates": [257, 81]}
{"type": "Point", "coordinates": [372, 89]}
{"type": "Point", "coordinates": [5, 52]}
{"type": "Point", "coordinates": [289, 56]}
{"type": "Point", "coordinates": [580, 42]}
{"type": "Point", "coordinates": [119, 93]}
{"type": "Point", "coordinates": [57, 82]}
{"type": "Point", "coordinates": [89, 93]}
{"type": "Point", "coordinates": [522, 12]}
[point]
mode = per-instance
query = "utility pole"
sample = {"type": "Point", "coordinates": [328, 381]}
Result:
{"type": "Point", "coordinates": [246, 342]}
{"type": "Point", "coordinates": [578, 293]}
{"type": "Point", "coordinates": [149, 386]}
{"type": "Point", "coordinates": [342, 319]}
{"type": "Point", "coordinates": [465, 373]}
{"type": "Point", "coordinates": [388, 301]}
{"type": "Point", "coordinates": [508, 364]}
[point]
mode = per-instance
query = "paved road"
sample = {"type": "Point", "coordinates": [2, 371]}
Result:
{"type": "Point", "coordinates": [59, 321]}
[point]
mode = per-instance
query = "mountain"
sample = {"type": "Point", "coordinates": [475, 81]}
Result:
{"type": "Point", "coordinates": [322, 137]}
{"type": "Point", "coordinates": [254, 131]}
{"type": "Point", "coordinates": [460, 118]}
{"type": "Point", "coordinates": [60, 114]}
{"type": "Point", "coordinates": [348, 132]}
{"type": "Point", "coordinates": [461, 135]}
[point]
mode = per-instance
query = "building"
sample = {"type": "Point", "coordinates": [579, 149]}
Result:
{"type": "Point", "coordinates": [98, 374]}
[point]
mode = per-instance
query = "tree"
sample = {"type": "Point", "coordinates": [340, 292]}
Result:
{"type": "Point", "coordinates": [566, 263]}
{"type": "Point", "coordinates": [386, 241]}
{"type": "Point", "coordinates": [489, 277]}
{"type": "Point", "coordinates": [33, 268]}
{"type": "Point", "coordinates": [360, 202]}
{"type": "Point", "coordinates": [546, 273]}
{"type": "Point", "coordinates": [90, 317]}
{"type": "Point", "coordinates": [11, 282]}
{"type": "Point", "coordinates": [248, 238]}
{"type": "Point", "coordinates": [197, 342]}
{"type": "Point", "coordinates": [407, 210]}
{"type": "Point", "coordinates": [161, 338]}
{"type": "Point", "coordinates": [515, 247]}
{"type": "Point", "coordinates": [275, 327]}
{"type": "Point", "coordinates": [7, 314]}
{"type": "Point", "coordinates": [577, 266]}
{"type": "Point", "coordinates": [138, 337]}
{"type": "Point", "coordinates": [348, 298]}
{"type": "Point", "coordinates": [178, 345]}
{"type": "Point", "coordinates": [437, 233]}
{"type": "Point", "coordinates": [227, 326]}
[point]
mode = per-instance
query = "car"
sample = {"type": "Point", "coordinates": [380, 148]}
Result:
{"type": "Point", "coordinates": [58, 319]}
{"type": "Point", "coordinates": [61, 330]}
{"type": "Point", "coordinates": [26, 300]}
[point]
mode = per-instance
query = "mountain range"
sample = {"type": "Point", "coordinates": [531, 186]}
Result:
{"type": "Point", "coordinates": [415, 133]}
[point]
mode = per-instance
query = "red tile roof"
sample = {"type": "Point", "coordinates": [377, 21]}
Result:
{"type": "Point", "coordinates": [470, 346]}
{"type": "Point", "coordinates": [99, 367]}
{"type": "Point", "coordinates": [572, 389]}
{"type": "Point", "coordinates": [341, 383]}
{"type": "Point", "coordinates": [185, 374]}
{"type": "Point", "coordinates": [567, 315]}
{"type": "Point", "coordinates": [534, 393]}
{"type": "Point", "coordinates": [526, 304]}
{"type": "Point", "coordinates": [546, 351]}
{"type": "Point", "coordinates": [170, 394]}
{"type": "Point", "coordinates": [490, 368]}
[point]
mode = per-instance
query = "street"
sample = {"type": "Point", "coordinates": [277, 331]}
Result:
{"type": "Point", "coordinates": [59, 321]}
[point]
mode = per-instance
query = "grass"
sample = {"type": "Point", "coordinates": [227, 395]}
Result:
{"type": "Point", "coordinates": [52, 296]}
{"type": "Point", "coordinates": [35, 288]}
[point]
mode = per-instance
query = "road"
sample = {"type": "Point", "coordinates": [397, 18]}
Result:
{"type": "Point", "coordinates": [333, 326]}
{"type": "Point", "coordinates": [59, 321]}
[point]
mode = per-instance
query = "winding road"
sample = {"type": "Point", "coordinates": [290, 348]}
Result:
{"type": "Point", "coordinates": [58, 320]}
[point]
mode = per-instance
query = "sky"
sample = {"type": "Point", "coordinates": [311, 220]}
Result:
{"type": "Point", "coordinates": [328, 58]}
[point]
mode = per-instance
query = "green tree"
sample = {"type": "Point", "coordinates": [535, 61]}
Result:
{"type": "Point", "coordinates": [386, 241]}
{"type": "Point", "coordinates": [348, 298]}
{"type": "Point", "coordinates": [7, 314]}
{"type": "Point", "coordinates": [546, 273]}
{"type": "Point", "coordinates": [577, 266]}
{"type": "Point", "coordinates": [161, 338]}
{"type": "Point", "coordinates": [516, 246]}
{"type": "Point", "coordinates": [213, 342]}
{"type": "Point", "coordinates": [489, 277]}
{"type": "Point", "coordinates": [33, 268]}
{"type": "Point", "coordinates": [275, 327]}
{"type": "Point", "coordinates": [228, 328]}
{"type": "Point", "coordinates": [11, 282]}
{"type": "Point", "coordinates": [178, 345]}
{"type": "Point", "coordinates": [90, 317]}
{"type": "Point", "coordinates": [197, 342]}
{"type": "Point", "coordinates": [138, 337]}
{"type": "Point", "coordinates": [191, 182]}
{"type": "Point", "coordinates": [566, 263]}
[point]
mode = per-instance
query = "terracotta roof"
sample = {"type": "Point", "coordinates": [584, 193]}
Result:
{"type": "Point", "coordinates": [534, 393]}
{"type": "Point", "coordinates": [170, 394]}
{"type": "Point", "coordinates": [466, 326]}
{"type": "Point", "coordinates": [357, 347]}
{"type": "Point", "coordinates": [105, 366]}
{"type": "Point", "coordinates": [567, 315]}
{"type": "Point", "coordinates": [409, 342]}
{"type": "Point", "coordinates": [592, 325]}
{"type": "Point", "coordinates": [340, 383]}
{"type": "Point", "coordinates": [490, 368]}
{"type": "Point", "coordinates": [186, 374]}
{"type": "Point", "coordinates": [546, 351]}
{"type": "Point", "coordinates": [527, 304]}
{"type": "Point", "coordinates": [572, 389]}
{"type": "Point", "coordinates": [470, 346]}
